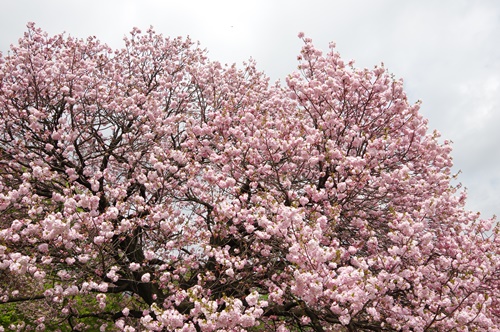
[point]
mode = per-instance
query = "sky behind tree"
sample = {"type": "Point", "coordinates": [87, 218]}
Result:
{"type": "Point", "coordinates": [446, 51]}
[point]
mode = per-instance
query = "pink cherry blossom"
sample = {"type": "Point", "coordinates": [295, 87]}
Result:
{"type": "Point", "coordinates": [146, 277]}
{"type": "Point", "coordinates": [150, 188]}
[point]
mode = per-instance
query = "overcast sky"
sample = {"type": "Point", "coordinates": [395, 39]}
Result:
{"type": "Point", "coordinates": [447, 52]}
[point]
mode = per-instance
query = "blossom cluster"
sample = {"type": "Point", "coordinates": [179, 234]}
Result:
{"type": "Point", "coordinates": [149, 188]}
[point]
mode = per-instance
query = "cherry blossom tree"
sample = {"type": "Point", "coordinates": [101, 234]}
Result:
{"type": "Point", "coordinates": [149, 188]}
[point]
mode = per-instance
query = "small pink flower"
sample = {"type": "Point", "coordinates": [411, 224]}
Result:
{"type": "Point", "coordinates": [345, 319]}
{"type": "Point", "coordinates": [99, 240]}
{"type": "Point", "coordinates": [43, 248]}
{"type": "Point", "coordinates": [135, 266]}
{"type": "Point", "coordinates": [149, 255]}
{"type": "Point", "coordinates": [252, 298]}
{"type": "Point", "coordinates": [230, 272]}
{"type": "Point", "coordinates": [146, 277]}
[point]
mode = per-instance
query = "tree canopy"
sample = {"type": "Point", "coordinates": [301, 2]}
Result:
{"type": "Point", "coordinates": [150, 188]}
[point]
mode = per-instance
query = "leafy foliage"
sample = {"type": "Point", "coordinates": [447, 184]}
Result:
{"type": "Point", "coordinates": [150, 188]}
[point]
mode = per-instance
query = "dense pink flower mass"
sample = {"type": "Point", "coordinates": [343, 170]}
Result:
{"type": "Point", "coordinates": [149, 188]}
